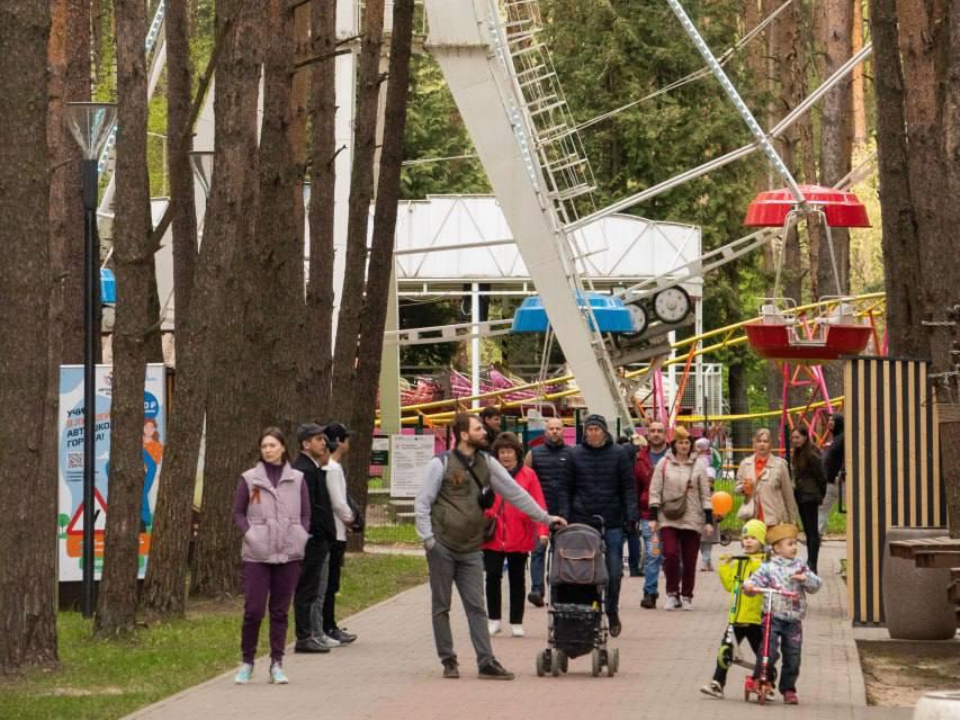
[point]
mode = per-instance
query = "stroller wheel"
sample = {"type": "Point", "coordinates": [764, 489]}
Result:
{"type": "Point", "coordinates": [564, 661]}
{"type": "Point", "coordinates": [596, 663]}
{"type": "Point", "coordinates": [555, 663]}
{"type": "Point", "coordinates": [542, 663]}
{"type": "Point", "coordinates": [613, 661]}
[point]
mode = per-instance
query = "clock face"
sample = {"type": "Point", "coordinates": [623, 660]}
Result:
{"type": "Point", "coordinates": [671, 305]}
{"type": "Point", "coordinates": [639, 316]}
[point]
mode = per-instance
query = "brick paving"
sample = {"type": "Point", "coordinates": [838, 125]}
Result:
{"type": "Point", "coordinates": [392, 671]}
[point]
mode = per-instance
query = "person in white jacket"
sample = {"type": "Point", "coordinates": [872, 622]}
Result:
{"type": "Point", "coordinates": [338, 441]}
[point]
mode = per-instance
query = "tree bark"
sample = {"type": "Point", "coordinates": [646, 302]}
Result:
{"type": "Point", "coordinates": [25, 287]}
{"type": "Point", "coordinates": [117, 601]}
{"type": "Point", "coordinates": [361, 194]}
{"type": "Point", "coordinates": [199, 331]}
{"type": "Point", "coordinates": [373, 315]}
{"type": "Point", "coordinates": [318, 338]}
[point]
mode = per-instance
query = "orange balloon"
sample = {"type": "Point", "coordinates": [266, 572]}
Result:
{"type": "Point", "coordinates": [722, 503]}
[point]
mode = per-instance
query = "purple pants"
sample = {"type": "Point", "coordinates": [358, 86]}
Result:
{"type": "Point", "coordinates": [680, 546]}
{"type": "Point", "coordinates": [278, 581]}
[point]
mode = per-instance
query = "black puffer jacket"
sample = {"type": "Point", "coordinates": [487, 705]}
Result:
{"type": "Point", "coordinates": [833, 458]}
{"type": "Point", "coordinates": [598, 481]}
{"type": "Point", "coordinates": [548, 461]}
{"type": "Point", "coordinates": [321, 510]}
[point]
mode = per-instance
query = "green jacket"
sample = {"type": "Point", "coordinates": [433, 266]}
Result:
{"type": "Point", "coordinates": [744, 610]}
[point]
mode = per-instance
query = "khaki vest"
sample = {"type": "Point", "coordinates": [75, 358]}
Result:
{"type": "Point", "coordinates": [456, 514]}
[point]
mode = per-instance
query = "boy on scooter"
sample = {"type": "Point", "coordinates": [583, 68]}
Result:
{"type": "Point", "coordinates": [792, 578]}
{"type": "Point", "coordinates": [743, 620]}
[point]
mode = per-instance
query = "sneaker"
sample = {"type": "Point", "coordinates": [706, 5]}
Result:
{"type": "Point", "coordinates": [649, 602]}
{"type": "Point", "coordinates": [714, 689]}
{"type": "Point", "coordinates": [245, 675]}
{"type": "Point", "coordinates": [790, 698]}
{"type": "Point", "coordinates": [636, 573]}
{"type": "Point", "coordinates": [673, 603]}
{"type": "Point", "coordinates": [517, 631]}
{"type": "Point", "coordinates": [615, 626]}
{"type": "Point", "coordinates": [310, 645]}
{"type": "Point", "coordinates": [493, 670]}
{"type": "Point", "coordinates": [277, 676]}
{"type": "Point", "coordinates": [687, 603]}
{"type": "Point", "coordinates": [535, 598]}
{"type": "Point", "coordinates": [749, 686]}
{"type": "Point", "coordinates": [494, 627]}
{"type": "Point", "coordinates": [451, 670]}
{"type": "Point", "coordinates": [324, 640]}
{"type": "Point", "coordinates": [344, 638]}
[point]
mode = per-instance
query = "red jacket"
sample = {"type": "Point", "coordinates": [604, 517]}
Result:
{"type": "Point", "coordinates": [515, 531]}
{"type": "Point", "coordinates": [643, 474]}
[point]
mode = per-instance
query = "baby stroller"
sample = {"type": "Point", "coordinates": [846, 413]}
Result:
{"type": "Point", "coordinates": [577, 624]}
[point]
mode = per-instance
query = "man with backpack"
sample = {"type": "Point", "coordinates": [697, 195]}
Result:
{"type": "Point", "coordinates": [457, 487]}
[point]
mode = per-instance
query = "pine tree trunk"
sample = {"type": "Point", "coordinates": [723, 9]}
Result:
{"type": "Point", "coordinates": [373, 316]}
{"type": "Point", "coordinates": [24, 286]}
{"type": "Point", "coordinates": [117, 601]}
{"type": "Point", "coordinates": [199, 331]}
{"type": "Point", "coordinates": [361, 195]}
{"type": "Point", "coordinates": [318, 337]}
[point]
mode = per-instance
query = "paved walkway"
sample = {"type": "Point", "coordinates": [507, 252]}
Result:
{"type": "Point", "coordinates": [392, 671]}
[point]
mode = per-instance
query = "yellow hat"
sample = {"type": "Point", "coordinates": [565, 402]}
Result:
{"type": "Point", "coordinates": [756, 529]}
{"type": "Point", "coordinates": [782, 532]}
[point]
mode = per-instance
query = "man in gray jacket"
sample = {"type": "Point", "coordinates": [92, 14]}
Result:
{"type": "Point", "coordinates": [457, 487]}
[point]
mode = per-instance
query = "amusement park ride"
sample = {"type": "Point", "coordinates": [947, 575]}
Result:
{"type": "Point", "coordinates": [510, 98]}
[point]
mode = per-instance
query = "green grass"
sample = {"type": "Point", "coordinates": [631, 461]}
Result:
{"type": "Point", "coordinates": [405, 534]}
{"type": "Point", "coordinates": [102, 680]}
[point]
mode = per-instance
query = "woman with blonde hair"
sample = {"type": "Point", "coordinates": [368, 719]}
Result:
{"type": "Point", "coordinates": [764, 481]}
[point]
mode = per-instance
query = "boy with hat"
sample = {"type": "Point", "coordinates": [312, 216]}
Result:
{"type": "Point", "coordinates": [785, 571]}
{"type": "Point", "coordinates": [743, 618]}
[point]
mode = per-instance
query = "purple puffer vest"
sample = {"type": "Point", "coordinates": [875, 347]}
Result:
{"type": "Point", "coordinates": [275, 535]}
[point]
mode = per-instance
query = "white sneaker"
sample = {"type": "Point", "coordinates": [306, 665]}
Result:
{"type": "Point", "coordinates": [517, 631]}
{"type": "Point", "coordinates": [687, 603]}
{"type": "Point", "coordinates": [244, 675]}
{"type": "Point", "coordinates": [493, 626]}
{"type": "Point", "coordinates": [673, 603]}
{"type": "Point", "coordinates": [326, 641]}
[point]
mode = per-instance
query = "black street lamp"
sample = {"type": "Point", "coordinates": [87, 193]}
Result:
{"type": "Point", "coordinates": [91, 125]}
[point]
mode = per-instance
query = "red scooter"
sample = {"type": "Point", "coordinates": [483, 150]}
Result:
{"type": "Point", "coordinates": [762, 686]}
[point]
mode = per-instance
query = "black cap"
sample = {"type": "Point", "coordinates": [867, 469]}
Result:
{"type": "Point", "coordinates": [598, 420]}
{"type": "Point", "coordinates": [307, 431]}
{"type": "Point", "coordinates": [338, 432]}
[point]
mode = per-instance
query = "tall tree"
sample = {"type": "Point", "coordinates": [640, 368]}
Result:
{"type": "Point", "coordinates": [133, 258]}
{"type": "Point", "coordinates": [24, 233]}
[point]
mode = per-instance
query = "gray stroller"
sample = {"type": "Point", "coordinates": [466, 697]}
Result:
{"type": "Point", "coordinates": [577, 625]}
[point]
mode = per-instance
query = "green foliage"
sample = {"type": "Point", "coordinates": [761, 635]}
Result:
{"type": "Point", "coordinates": [102, 680]}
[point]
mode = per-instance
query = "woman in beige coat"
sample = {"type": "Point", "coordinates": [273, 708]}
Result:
{"type": "Point", "coordinates": [764, 480]}
{"type": "Point", "coordinates": [678, 476]}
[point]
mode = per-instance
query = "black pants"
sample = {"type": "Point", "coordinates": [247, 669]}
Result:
{"type": "Point", "coordinates": [517, 570]}
{"type": "Point", "coordinates": [808, 516]}
{"type": "Point", "coordinates": [337, 550]}
{"type": "Point", "coordinates": [754, 636]}
{"type": "Point", "coordinates": [314, 557]}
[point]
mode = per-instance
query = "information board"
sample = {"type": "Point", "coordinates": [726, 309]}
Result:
{"type": "Point", "coordinates": [410, 455]}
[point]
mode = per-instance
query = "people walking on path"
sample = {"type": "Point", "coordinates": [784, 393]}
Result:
{"type": "Point", "coordinates": [598, 482]}
{"type": "Point", "coordinates": [272, 510]}
{"type": "Point", "coordinates": [833, 467]}
{"type": "Point", "coordinates": [547, 461]}
{"type": "Point", "coordinates": [785, 571]}
{"type": "Point", "coordinates": [311, 588]}
{"type": "Point", "coordinates": [810, 487]}
{"type": "Point", "coordinates": [491, 418]}
{"type": "Point", "coordinates": [646, 460]}
{"type": "Point", "coordinates": [456, 490]}
{"type": "Point", "coordinates": [514, 535]}
{"type": "Point", "coordinates": [764, 480]}
{"type": "Point", "coordinates": [705, 458]}
{"type": "Point", "coordinates": [680, 504]}
{"type": "Point", "coordinates": [745, 612]}
{"type": "Point", "coordinates": [338, 440]}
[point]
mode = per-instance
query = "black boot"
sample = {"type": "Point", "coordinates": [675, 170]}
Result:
{"type": "Point", "coordinates": [649, 602]}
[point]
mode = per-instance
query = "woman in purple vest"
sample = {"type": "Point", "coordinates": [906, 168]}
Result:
{"type": "Point", "coordinates": [272, 510]}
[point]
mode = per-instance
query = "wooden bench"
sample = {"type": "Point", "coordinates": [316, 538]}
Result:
{"type": "Point", "coordinates": [954, 588]}
{"type": "Point", "coordinates": [938, 552]}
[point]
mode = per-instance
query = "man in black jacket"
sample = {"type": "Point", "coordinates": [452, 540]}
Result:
{"type": "Point", "coordinates": [311, 589]}
{"type": "Point", "coordinates": [598, 481]}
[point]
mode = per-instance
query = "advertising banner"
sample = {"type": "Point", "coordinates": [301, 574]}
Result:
{"type": "Point", "coordinates": [71, 428]}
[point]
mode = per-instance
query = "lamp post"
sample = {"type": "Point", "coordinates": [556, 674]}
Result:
{"type": "Point", "coordinates": [90, 124]}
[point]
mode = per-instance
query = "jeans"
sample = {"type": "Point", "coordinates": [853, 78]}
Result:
{"type": "Point", "coordinates": [260, 580]}
{"type": "Point", "coordinates": [633, 551]}
{"type": "Point", "coordinates": [651, 563]}
{"type": "Point", "coordinates": [613, 538]}
{"type": "Point", "coordinates": [680, 547]}
{"type": "Point", "coordinates": [338, 549]}
{"type": "Point", "coordinates": [466, 570]}
{"type": "Point", "coordinates": [517, 570]}
{"type": "Point", "coordinates": [312, 585]}
{"type": "Point", "coordinates": [537, 562]}
{"type": "Point", "coordinates": [808, 516]}
{"type": "Point", "coordinates": [833, 494]}
{"type": "Point", "coordinates": [787, 638]}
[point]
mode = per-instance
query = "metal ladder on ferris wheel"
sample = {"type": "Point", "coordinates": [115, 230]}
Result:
{"type": "Point", "coordinates": [547, 132]}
